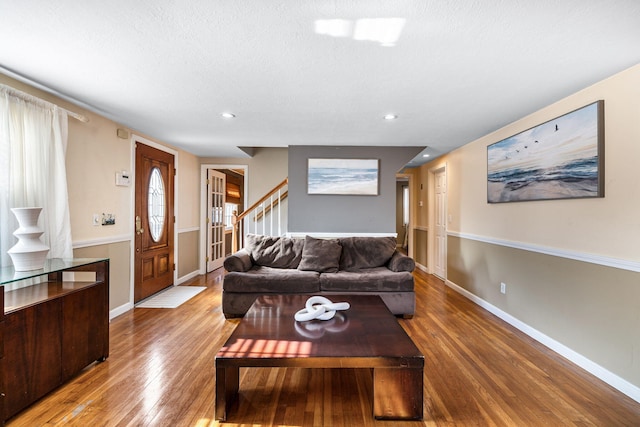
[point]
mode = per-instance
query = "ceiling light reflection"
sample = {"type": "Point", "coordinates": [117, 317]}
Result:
{"type": "Point", "coordinates": [334, 27]}
{"type": "Point", "coordinates": [385, 31]}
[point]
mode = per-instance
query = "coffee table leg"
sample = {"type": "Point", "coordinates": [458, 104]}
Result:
{"type": "Point", "coordinates": [227, 383]}
{"type": "Point", "coordinates": [397, 393]}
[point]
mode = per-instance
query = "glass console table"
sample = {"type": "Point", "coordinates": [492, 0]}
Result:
{"type": "Point", "coordinates": [55, 323]}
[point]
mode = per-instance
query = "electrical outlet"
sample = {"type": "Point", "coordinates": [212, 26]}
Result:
{"type": "Point", "coordinates": [96, 219]}
{"type": "Point", "coordinates": [503, 288]}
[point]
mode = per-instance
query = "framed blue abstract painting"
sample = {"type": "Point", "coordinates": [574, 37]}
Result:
{"type": "Point", "coordinates": [343, 176]}
{"type": "Point", "coordinates": [559, 159]}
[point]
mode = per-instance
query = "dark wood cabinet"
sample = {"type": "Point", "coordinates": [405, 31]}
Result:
{"type": "Point", "coordinates": [53, 330]}
{"type": "Point", "coordinates": [83, 340]}
{"type": "Point", "coordinates": [32, 352]}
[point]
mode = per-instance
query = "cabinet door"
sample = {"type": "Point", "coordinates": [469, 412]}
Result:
{"type": "Point", "coordinates": [32, 353]}
{"type": "Point", "coordinates": [2, 392]}
{"type": "Point", "coordinates": [85, 324]}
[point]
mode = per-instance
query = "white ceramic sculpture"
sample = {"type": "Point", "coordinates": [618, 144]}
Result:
{"type": "Point", "coordinates": [318, 307]}
{"type": "Point", "coordinates": [29, 253]}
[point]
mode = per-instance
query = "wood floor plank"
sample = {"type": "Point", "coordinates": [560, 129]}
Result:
{"type": "Point", "coordinates": [479, 371]}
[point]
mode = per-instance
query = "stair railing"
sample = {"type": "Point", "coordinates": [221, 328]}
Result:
{"type": "Point", "coordinates": [264, 216]}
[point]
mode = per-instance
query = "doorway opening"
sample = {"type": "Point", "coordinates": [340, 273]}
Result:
{"type": "Point", "coordinates": [223, 196]}
{"type": "Point", "coordinates": [404, 213]}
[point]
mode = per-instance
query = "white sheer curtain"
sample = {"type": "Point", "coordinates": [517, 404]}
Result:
{"type": "Point", "coordinates": [33, 143]}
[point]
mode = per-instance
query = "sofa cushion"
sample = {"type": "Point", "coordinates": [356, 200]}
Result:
{"type": "Point", "coordinates": [322, 255]}
{"type": "Point", "coordinates": [379, 279]}
{"type": "Point", "coordinates": [401, 262]}
{"type": "Point", "coordinates": [275, 252]}
{"type": "Point", "coordinates": [366, 252]}
{"type": "Point", "coordinates": [272, 280]}
{"type": "Point", "coordinates": [239, 261]}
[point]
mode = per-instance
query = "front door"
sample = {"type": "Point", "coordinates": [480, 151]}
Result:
{"type": "Point", "coordinates": [154, 221]}
{"type": "Point", "coordinates": [216, 192]}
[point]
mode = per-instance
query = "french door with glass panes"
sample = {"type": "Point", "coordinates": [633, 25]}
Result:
{"type": "Point", "coordinates": [216, 194]}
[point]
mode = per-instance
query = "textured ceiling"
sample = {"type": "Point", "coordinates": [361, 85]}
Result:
{"type": "Point", "coordinates": [459, 70]}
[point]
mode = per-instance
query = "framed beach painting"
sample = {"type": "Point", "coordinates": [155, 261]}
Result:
{"type": "Point", "coordinates": [343, 176]}
{"type": "Point", "coordinates": [559, 159]}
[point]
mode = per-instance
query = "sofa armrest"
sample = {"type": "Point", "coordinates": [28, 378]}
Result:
{"type": "Point", "coordinates": [239, 261]}
{"type": "Point", "coordinates": [400, 262]}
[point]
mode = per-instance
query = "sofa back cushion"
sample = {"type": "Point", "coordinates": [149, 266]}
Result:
{"type": "Point", "coordinates": [321, 255]}
{"type": "Point", "coordinates": [275, 252]}
{"type": "Point", "coordinates": [366, 252]}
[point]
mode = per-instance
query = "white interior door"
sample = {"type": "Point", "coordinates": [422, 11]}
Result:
{"type": "Point", "coordinates": [440, 207]}
{"type": "Point", "coordinates": [216, 192]}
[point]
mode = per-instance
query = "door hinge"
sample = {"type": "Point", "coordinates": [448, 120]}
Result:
{"type": "Point", "coordinates": [174, 266]}
{"type": "Point", "coordinates": [206, 259]}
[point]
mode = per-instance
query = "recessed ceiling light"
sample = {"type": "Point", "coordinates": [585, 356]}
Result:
{"type": "Point", "coordinates": [228, 115]}
{"type": "Point", "coordinates": [425, 155]}
{"type": "Point", "coordinates": [390, 116]}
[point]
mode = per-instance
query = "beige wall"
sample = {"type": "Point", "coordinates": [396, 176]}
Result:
{"type": "Point", "coordinates": [596, 226]}
{"type": "Point", "coordinates": [188, 191]}
{"type": "Point", "coordinates": [589, 306]}
{"type": "Point", "coordinates": [94, 155]}
{"type": "Point", "coordinates": [188, 263]}
{"type": "Point", "coordinates": [266, 169]}
{"type": "Point", "coordinates": [420, 252]}
{"type": "Point", "coordinates": [119, 277]}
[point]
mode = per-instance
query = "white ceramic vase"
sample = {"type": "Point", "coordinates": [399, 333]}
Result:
{"type": "Point", "coordinates": [29, 253]}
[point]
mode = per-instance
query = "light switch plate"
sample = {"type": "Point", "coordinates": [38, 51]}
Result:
{"type": "Point", "coordinates": [123, 179]}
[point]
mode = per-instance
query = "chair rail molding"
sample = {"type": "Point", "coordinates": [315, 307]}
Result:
{"type": "Point", "coordinates": [622, 264]}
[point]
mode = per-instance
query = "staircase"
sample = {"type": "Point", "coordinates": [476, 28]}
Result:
{"type": "Point", "coordinates": [264, 217]}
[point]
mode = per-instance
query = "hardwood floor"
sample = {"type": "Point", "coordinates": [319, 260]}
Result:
{"type": "Point", "coordinates": [478, 371]}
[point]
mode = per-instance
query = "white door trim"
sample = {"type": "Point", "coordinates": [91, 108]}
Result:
{"type": "Point", "coordinates": [203, 204]}
{"type": "Point", "coordinates": [431, 240]}
{"type": "Point", "coordinates": [215, 233]}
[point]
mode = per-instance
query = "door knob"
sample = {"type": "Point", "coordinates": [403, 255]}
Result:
{"type": "Point", "coordinates": [139, 229]}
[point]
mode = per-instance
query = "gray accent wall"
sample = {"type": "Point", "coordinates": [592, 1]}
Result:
{"type": "Point", "coordinates": [339, 213]}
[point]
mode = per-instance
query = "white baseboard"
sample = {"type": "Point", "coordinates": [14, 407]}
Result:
{"type": "Point", "coordinates": [605, 375]}
{"type": "Point", "coordinates": [120, 310]}
{"type": "Point", "coordinates": [422, 267]}
{"type": "Point", "coordinates": [129, 306]}
{"type": "Point", "coordinates": [181, 280]}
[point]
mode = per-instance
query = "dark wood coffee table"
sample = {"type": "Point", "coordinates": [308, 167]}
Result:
{"type": "Point", "coordinates": [365, 336]}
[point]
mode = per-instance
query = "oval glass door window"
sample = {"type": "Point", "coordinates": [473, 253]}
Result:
{"type": "Point", "coordinates": [156, 204]}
